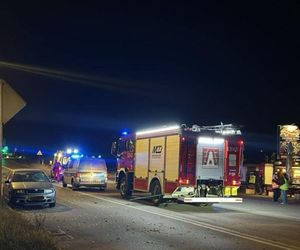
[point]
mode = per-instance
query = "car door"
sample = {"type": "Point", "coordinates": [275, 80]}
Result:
{"type": "Point", "coordinates": [69, 172]}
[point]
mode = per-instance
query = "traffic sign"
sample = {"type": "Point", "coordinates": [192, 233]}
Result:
{"type": "Point", "coordinates": [39, 153]}
{"type": "Point", "coordinates": [12, 102]}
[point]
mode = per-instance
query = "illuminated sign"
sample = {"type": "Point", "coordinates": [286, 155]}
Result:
{"type": "Point", "coordinates": [289, 140]}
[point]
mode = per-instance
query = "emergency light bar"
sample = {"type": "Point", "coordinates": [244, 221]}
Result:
{"type": "Point", "coordinates": [211, 140]}
{"type": "Point", "coordinates": [157, 130]}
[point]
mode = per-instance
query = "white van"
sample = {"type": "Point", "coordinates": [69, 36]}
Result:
{"type": "Point", "coordinates": [87, 172]}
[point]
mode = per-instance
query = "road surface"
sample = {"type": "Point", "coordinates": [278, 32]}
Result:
{"type": "Point", "coordinates": [91, 219]}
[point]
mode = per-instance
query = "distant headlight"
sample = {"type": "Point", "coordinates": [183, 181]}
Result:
{"type": "Point", "coordinates": [48, 191]}
{"type": "Point", "coordinates": [20, 191]}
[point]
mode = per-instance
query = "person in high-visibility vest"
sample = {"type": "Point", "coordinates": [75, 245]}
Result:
{"type": "Point", "coordinates": [284, 187]}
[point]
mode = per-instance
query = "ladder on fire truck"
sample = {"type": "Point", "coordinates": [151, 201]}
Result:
{"type": "Point", "coordinates": [223, 129]}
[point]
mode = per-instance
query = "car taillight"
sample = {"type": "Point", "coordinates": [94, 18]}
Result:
{"type": "Point", "coordinates": [184, 181]}
{"type": "Point", "coordinates": [236, 183]}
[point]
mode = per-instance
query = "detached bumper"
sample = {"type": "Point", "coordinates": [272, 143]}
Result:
{"type": "Point", "coordinates": [210, 200]}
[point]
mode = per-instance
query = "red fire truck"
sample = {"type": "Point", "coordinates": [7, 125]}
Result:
{"type": "Point", "coordinates": [200, 164]}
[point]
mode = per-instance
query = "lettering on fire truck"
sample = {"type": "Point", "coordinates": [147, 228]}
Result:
{"type": "Point", "coordinates": [157, 149]}
{"type": "Point", "coordinates": [156, 152]}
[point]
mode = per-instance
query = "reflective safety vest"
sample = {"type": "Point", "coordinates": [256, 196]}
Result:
{"type": "Point", "coordinates": [285, 186]}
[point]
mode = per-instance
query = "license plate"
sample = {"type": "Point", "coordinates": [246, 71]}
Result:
{"type": "Point", "coordinates": [90, 180]}
{"type": "Point", "coordinates": [37, 198]}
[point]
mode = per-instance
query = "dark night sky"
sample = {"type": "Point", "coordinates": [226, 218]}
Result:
{"type": "Point", "coordinates": [87, 71]}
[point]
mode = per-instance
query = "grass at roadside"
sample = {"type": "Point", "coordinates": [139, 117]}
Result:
{"type": "Point", "coordinates": [16, 232]}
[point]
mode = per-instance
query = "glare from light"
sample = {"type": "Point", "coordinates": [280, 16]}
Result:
{"type": "Point", "coordinates": [75, 151]}
{"type": "Point", "coordinates": [210, 140]}
{"type": "Point", "coordinates": [157, 130]}
{"type": "Point", "coordinates": [69, 151]}
{"type": "Point", "coordinates": [231, 132]}
{"type": "Point", "coordinates": [75, 156]}
{"type": "Point", "coordinates": [291, 128]}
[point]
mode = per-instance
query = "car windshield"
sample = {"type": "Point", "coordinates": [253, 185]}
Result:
{"type": "Point", "coordinates": [30, 176]}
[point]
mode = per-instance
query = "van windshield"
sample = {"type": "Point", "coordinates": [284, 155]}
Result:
{"type": "Point", "coordinates": [92, 164]}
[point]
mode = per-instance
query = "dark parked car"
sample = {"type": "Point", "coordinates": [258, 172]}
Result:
{"type": "Point", "coordinates": [29, 187]}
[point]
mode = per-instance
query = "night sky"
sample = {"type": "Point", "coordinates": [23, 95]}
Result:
{"type": "Point", "coordinates": [88, 71]}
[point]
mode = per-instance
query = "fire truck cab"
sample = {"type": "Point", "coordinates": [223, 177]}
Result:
{"type": "Point", "coordinates": [197, 164]}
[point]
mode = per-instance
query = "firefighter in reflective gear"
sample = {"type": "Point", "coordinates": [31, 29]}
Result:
{"type": "Point", "coordinates": [284, 187]}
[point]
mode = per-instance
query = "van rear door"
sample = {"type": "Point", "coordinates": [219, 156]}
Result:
{"type": "Point", "coordinates": [93, 171]}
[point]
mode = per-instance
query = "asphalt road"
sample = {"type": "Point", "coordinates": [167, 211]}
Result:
{"type": "Point", "coordinates": [91, 219]}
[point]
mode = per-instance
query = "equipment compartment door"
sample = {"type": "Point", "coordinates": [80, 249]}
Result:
{"type": "Point", "coordinates": [157, 159]}
{"type": "Point", "coordinates": [141, 164]}
{"type": "Point", "coordinates": [172, 163]}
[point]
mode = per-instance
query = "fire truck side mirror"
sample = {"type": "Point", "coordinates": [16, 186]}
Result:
{"type": "Point", "coordinates": [130, 146]}
{"type": "Point", "coordinates": [114, 149]}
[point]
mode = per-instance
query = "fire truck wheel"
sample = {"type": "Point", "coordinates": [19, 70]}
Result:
{"type": "Point", "coordinates": [156, 191]}
{"type": "Point", "coordinates": [124, 188]}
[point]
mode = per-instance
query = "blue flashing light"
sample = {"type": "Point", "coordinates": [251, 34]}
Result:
{"type": "Point", "coordinates": [124, 133]}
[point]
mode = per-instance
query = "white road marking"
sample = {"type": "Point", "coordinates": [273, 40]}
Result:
{"type": "Point", "coordinates": [60, 233]}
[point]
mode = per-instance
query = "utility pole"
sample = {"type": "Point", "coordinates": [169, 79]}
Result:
{"type": "Point", "coordinates": [289, 158]}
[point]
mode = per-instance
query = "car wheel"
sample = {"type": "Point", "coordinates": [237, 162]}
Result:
{"type": "Point", "coordinates": [9, 201]}
{"type": "Point", "coordinates": [52, 204]}
{"type": "Point", "coordinates": [74, 186]}
{"type": "Point", "coordinates": [63, 183]}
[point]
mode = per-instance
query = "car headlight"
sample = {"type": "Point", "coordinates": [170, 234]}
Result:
{"type": "Point", "coordinates": [20, 191]}
{"type": "Point", "coordinates": [49, 191]}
